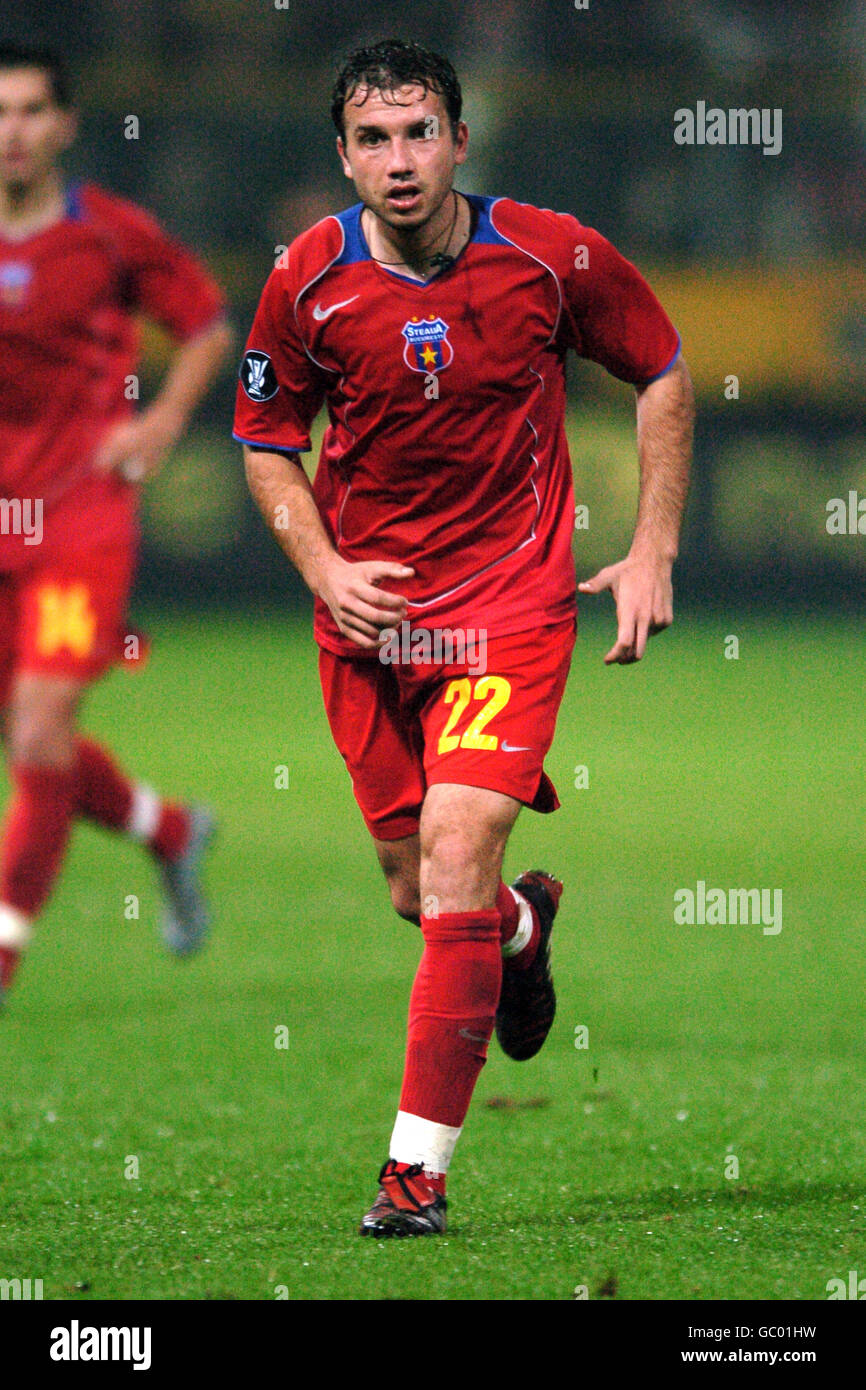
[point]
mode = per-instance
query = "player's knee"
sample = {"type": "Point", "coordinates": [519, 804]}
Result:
{"type": "Point", "coordinates": [460, 867]}
{"type": "Point", "coordinates": [41, 737]}
{"type": "Point", "coordinates": [454, 854]}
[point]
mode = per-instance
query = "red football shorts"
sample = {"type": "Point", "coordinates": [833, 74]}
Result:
{"type": "Point", "coordinates": [65, 617]}
{"type": "Point", "coordinates": [404, 726]}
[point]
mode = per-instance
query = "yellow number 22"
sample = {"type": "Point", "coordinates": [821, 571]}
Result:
{"type": "Point", "coordinates": [495, 691]}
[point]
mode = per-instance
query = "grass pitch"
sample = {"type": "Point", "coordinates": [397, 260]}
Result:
{"type": "Point", "coordinates": [606, 1167]}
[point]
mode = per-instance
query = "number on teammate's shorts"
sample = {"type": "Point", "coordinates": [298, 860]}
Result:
{"type": "Point", "coordinates": [66, 619]}
{"type": "Point", "coordinates": [495, 691]}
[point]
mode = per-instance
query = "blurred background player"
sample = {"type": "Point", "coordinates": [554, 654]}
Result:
{"type": "Point", "coordinates": [76, 265]}
{"type": "Point", "coordinates": [436, 325]}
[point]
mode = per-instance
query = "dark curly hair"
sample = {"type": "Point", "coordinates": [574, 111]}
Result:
{"type": "Point", "coordinates": [391, 64]}
{"type": "Point", "coordinates": [48, 60]}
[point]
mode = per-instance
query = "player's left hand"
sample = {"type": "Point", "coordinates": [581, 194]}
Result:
{"type": "Point", "coordinates": [136, 448]}
{"type": "Point", "coordinates": [644, 598]}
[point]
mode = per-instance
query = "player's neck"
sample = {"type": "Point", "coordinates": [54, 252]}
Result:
{"type": "Point", "coordinates": [27, 210]}
{"type": "Point", "coordinates": [423, 251]}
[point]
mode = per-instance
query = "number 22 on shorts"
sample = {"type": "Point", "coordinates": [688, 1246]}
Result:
{"type": "Point", "coordinates": [495, 691]}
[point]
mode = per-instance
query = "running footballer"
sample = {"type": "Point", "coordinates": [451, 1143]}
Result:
{"type": "Point", "coordinates": [77, 264]}
{"type": "Point", "coordinates": [435, 326]}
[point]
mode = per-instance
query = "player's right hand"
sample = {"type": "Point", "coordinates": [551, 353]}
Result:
{"type": "Point", "coordinates": [359, 606]}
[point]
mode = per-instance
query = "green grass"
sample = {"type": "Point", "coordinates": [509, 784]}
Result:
{"type": "Point", "coordinates": [255, 1163]}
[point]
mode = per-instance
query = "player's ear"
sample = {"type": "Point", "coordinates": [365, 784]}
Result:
{"type": "Point", "coordinates": [341, 151]}
{"type": "Point", "coordinates": [461, 143]}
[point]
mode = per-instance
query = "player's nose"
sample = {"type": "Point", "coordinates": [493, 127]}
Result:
{"type": "Point", "coordinates": [399, 158]}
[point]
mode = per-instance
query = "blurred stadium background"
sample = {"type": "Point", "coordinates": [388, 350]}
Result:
{"type": "Point", "coordinates": [759, 259]}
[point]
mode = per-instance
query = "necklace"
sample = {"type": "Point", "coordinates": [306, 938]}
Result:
{"type": "Point", "coordinates": [439, 258]}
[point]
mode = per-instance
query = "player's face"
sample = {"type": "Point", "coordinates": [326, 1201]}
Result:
{"type": "Point", "coordinates": [34, 130]}
{"type": "Point", "coordinates": [401, 157]}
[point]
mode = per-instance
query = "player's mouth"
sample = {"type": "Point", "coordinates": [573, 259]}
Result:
{"type": "Point", "coordinates": [404, 199]}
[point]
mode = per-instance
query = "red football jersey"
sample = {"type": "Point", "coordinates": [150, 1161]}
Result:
{"type": "Point", "coordinates": [446, 447]}
{"type": "Point", "coordinates": [68, 341]}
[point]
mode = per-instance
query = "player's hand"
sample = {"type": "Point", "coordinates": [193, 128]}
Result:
{"type": "Point", "coordinates": [359, 606]}
{"type": "Point", "coordinates": [644, 598]}
{"type": "Point", "coordinates": [136, 448]}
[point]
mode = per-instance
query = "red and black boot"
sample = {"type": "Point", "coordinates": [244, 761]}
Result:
{"type": "Point", "coordinates": [527, 1003]}
{"type": "Point", "coordinates": [406, 1205]}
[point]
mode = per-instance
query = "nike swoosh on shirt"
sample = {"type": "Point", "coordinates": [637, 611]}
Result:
{"type": "Point", "coordinates": [320, 314]}
{"type": "Point", "coordinates": [513, 748]}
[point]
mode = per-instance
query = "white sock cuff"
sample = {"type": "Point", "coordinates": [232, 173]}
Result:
{"type": "Point", "coordinates": [416, 1140]}
{"type": "Point", "coordinates": [15, 928]}
{"type": "Point", "coordinates": [144, 813]}
{"type": "Point", "coordinates": [524, 927]}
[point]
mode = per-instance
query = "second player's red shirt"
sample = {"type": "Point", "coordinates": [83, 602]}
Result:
{"type": "Point", "coordinates": [446, 446]}
{"type": "Point", "coordinates": [68, 343]}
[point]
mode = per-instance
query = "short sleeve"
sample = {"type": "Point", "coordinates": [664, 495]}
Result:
{"type": "Point", "coordinates": [610, 314]}
{"type": "Point", "coordinates": [280, 389]}
{"type": "Point", "coordinates": [165, 282]}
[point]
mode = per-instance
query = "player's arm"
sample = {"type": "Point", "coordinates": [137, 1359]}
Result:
{"type": "Point", "coordinates": [282, 492]}
{"type": "Point", "coordinates": [611, 316]}
{"type": "Point", "coordinates": [641, 583]}
{"type": "Point", "coordinates": [137, 447]}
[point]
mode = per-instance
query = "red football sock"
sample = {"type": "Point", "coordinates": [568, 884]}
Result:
{"type": "Point", "coordinates": [106, 795]}
{"type": "Point", "coordinates": [508, 907]}
{"type": "Point", "coordinates": [8, 965]}
{"type": "Point", "coordinates": [35, 835]}
{"type": "Point", "coordinates": [102, 792]}
{"type": "Point", "coordinates": [172, 831]}
{"type": "Point", "coordinates": [451, 1014]}
{"type": "Point", "coordinates": [437, 1182]}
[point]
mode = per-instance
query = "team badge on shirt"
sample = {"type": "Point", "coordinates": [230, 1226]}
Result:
{"type": "Point", "coordinates": [258, 377]}
{"type": "Point", "coordinates": [15, 276]}
{"type": "Point", "coordinates": [427, 347]}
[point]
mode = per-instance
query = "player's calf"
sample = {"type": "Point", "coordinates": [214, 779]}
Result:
{"type": "Point", "coordinates": [406, 901]}
{"type": "Point", "coordinates": [400, 860]}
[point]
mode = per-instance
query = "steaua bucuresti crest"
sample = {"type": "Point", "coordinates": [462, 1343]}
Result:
{"type": "Point", "coordinates": [427, 347]}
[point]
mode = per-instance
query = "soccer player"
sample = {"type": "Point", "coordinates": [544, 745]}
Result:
{"type": "Point", "coordinates": [437, 542]}
{"type": "Point", "coordinates": [76, 265]}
